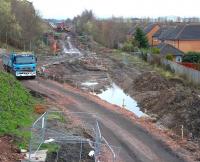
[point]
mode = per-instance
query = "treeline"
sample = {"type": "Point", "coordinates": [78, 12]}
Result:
{"type": "Point", "coordinates": [109, 32]}
{"type": "Point", "coordinates": [20, 24]}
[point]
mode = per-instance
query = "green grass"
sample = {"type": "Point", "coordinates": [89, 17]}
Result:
{"type": "Point", "coordinates": [16, 109]}
{"type": "Point", "coordinates": [51, 147]}
{"type": "Point", "coordinates": [56, 116]}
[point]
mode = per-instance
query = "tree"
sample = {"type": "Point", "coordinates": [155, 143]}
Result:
{"type": "Point", "coordinates": [141, 38]}
{"type": "Point", "coordinates": [20, 24]}
{"type": "Point", "coordinates": [8, 22]}
{"type": "Point", "coordinates": [108, 32]}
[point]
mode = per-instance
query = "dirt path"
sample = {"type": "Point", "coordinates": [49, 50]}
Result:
{"type": "Point", "coordinates": [137, 145]}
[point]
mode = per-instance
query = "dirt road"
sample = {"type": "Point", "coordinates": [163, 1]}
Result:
{"type": "Point", "coordinates": [137, 145]}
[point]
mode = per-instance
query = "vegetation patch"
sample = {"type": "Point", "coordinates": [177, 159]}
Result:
{"type": "Point", "coordinates": [155, 50]}
{"type": "Point", "coordinates": [16, 106]}
{"type": "Point", "coordinates": [169, 57]}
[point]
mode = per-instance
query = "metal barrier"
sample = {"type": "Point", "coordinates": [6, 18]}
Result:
{"type": "Point", "coordinates": [37, 134]}
{"type": "Point", "coordinates": [52, 127]}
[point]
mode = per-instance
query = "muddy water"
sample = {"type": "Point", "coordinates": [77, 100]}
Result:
{"type": "Point", "coordinates": [115, 95]}
{"type": "Point", "coordinates": [70, 50]}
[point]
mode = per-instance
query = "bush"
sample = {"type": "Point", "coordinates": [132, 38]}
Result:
{"type": "Point", "coordinates": [128, 47]}
{"type": "Point", "coordinates": [144, 56]}
{"type": "Point", "coordinates": [193, 53]}
{"type": "Point", "coordinates": [169, 57]}
{"type": "Point", "coordinates": [192, 57]}
{"type": "Point", "coordinates": [155, 50]}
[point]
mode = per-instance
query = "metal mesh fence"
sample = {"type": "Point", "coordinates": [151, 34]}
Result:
{"type": "Point", "coordinates": [55, 128]}
{"type": "Point", "coordinates": [37, 134]}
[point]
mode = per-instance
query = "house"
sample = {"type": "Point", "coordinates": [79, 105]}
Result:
{"type": "Point", "coordinates": [184, 37]}
{"type": "Point", "coordinates": [166, 49]}
{"type": "Point", "coordinates": [150, 30]}
{"type": "Point", "coordinates": [161, 34]}
{"type": "Point", "coordinates": [132, 30]}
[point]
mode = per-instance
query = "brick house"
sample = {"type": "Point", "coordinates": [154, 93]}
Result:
{"type": "Point", "coordinates": [183, 37]}
{"type": "Point", "coordinates": [161, 34]}
{"type": "Point", "coordinates": [150, 30]}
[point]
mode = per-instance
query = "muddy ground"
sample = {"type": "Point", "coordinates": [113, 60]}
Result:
{"type": "Point", "coordinates": [120, 127]}
{"type": "Point", "coordinates": [71, 152]}
{"type": "Point", "coordinates": [172, 102]}
{"type": "Point", "coordinates": [77, 67]}
{"type": "Point", "coordinates": [59, 124]}
{"type": "Point", "coordinates": [9, 152]}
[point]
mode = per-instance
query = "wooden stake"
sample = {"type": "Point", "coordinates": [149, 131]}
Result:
{"type": "Point", "coordinates": [182, 132]}
{"type": "Point", "coordinates": [123, 104]}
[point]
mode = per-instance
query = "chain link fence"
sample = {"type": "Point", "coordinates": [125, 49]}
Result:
{"type": "Point", "coordinates": [82, 137]}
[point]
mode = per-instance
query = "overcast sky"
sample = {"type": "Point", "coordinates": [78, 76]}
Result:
{"type": "Point", "coordinates": [62, 9]}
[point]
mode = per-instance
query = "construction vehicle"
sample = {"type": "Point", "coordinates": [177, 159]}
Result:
{"type": "Point", "coordinates": [61, 27]}
{"type": "Point", "coordinates": [20, 64]}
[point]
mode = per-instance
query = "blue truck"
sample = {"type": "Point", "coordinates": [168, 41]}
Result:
{"type": "Point", "coordinates": [20, 64]}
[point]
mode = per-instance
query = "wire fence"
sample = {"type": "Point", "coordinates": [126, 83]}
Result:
{"type": "Point", "coordinates": [55, 128]}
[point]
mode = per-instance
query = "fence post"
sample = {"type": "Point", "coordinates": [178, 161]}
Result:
{"type": "Point", "coordinates": [30, 146]}
{"type": "Point", "coordinates": [81, 150]}
{"type": "Point", "coordinates": [44, 118]}
{"type": "Point", "coordinates": [182, 132]}
{"type": "Point", "coordinates": [97, 141]}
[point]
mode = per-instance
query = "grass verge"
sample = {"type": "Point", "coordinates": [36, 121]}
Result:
{"type": "Point", "coordinates": [16, 109]}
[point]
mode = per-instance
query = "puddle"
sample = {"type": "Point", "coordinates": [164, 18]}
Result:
{"type": "Point", "coordinates": [89, 84]}
{"type": "Point", "coordinates": [115, 95]}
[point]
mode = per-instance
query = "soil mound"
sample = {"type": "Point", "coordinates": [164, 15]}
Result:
{"type": "Point", "coordinates": [150, 81]}
{"type": "Point", "coordinates": [9, 153]}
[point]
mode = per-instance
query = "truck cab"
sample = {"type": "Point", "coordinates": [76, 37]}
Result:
{"type": "Point", "coordinates": [21, 64]}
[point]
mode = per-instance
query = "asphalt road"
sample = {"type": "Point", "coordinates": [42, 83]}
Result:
{"type": "Point", "coordinates": [136, 144]}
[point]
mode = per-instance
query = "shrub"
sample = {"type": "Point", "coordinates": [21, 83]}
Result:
{"type": "Point", "coordinates": [144, 56]}
{"type": "Point", "coordinates": [193, 53]}
{"type": "Point", "coordinates": [155, 50]}
{"type": "Point", "coordinates": [169, 57]}
{"type": "Point", "coordinates": [128, 47]}
{"type": "Point", "coordinates": [192, 57]}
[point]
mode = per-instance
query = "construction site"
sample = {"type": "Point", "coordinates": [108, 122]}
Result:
{"type": "Point", "coordinates": [76, 71]}
{"type": "Point", "coordinates": [79, 100]}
